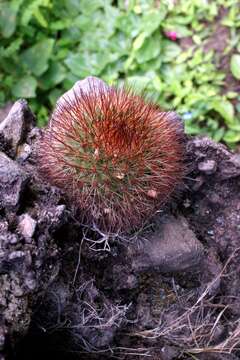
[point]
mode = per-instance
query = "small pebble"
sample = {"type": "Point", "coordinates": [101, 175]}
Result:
{"type": "Point", "coordinates": [30, 281]}
{"type": "Point", "coordinates": [16, 255]}
{"type": "Point", "coordinates": [24, 152]}
{"type": "Point", "coordinates": [27, 226]}
{"type": "Point", "coordinates": [13, 239]}
{"type": "Point", "coordinates": [208, 166]}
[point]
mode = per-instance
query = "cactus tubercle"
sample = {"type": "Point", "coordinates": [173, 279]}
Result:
{"type": "Point", "coordinates": [116, 156]}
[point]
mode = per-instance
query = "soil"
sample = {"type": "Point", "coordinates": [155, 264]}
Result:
{"type": "Point", "coordinates": [169, 292]}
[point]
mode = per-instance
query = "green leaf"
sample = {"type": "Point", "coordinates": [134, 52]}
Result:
{"type": "Point", "coordinates": [25, 87]}
{"type": "Point", "coordinates": [42, 116]}
{"type": "Point", "coordinates": [129, 23]}
{"type": "Point", "coordinates": [138, 82]}
{"type": "Point", "coordinates": [60, 25]}
{"type": "Point", "coordinates": [181, 30]}
{"type": "Point", "coordinates": [13, 47]}
{"type": "Point", "coordinates": [36, 57]}
{"type": "Point", "coordinates": [231, 94]}
{"type": "Point", "coordinates": [235, 66]}
{"type": "Point", "coordinates": [54, 95]}
{"type": "Point", "coordinates": [149, 50]}
{"type": "Point", "coordinates": [32, 9]}
{"type": "Point", "coordinates": [152, 20]}
{"type": "Point", "coordinates": [8, 17]}
{"type": "Point", "coordinates": [138, 42]}
{"type": "Point", "coordinates": [89, 7]}
{"type": "Point", "coordinates": [40, 18]}
{"type": "Point", "coordinates": [225, 109]}
{"type": "Point", "coordinates": [72, 6]}
{"type": "Point", "coordinates": [55, 75]}
{"type": "Point", "coordinates": [85, 64]}
{"type": "Point", "coordinates": [69, 81]}
{"type": "Point", "coordinates": [170, 51]}
{"type": "Point", "coordinates": [232, 136]}
{"type": "Point", "coordinates": [218, 134]}
{"type": "Point", "coordinates": [192, 128]}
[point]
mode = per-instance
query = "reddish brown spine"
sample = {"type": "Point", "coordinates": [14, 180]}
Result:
{"type": "Point", "coordinates": [117, 157]}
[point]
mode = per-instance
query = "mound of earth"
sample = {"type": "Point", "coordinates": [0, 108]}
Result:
{"type": "Point", "coordinates": [171, 291]}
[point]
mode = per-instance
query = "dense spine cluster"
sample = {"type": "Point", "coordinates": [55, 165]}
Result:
{"type": "Point", "coordinates": [117, 157]}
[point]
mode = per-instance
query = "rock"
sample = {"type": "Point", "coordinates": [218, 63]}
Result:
{"type": "Point", "coordinates": [53, 217]}
{"type": "Point", "coordinates": [27, 226]}
{"type": "Point", "coordinates": [3, 226]}
{"type": "Point", "coordinates": [15, 126]}
{"type": "Point", "coordinates": [12, 262]}
{"type": "Point", "coordinates": [34, 134]}
{"type": "Point", "coordinates": [174, 247]}
{"type": "Point", "coordinates": [210, 157]}
{"type": "Point", "coordinates": [231, 167]}
{"type": "Point", "coordinates": [209, 166]}
{"type": "Point", "coordinates": [24, 152]}
{"type": "Point", "coordinates": [13, 180]}
{"type": "Point", "coordinates": [5, 110]}
{"type": "Point", "coordinates": [30, 281]}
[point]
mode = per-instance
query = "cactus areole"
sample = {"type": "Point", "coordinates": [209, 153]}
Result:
{"type": "Point", "coordinates": [116, 156]}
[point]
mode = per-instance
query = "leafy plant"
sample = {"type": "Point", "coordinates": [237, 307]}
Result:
{"type": "Point", "coordinates": [235, 66]}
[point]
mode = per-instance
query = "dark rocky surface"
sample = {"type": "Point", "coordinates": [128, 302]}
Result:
{"type": "Point", "coordinates": [13, 181]}
{"type": "Point", "coordinates": [172, 247]}
{"type": "Point", "coordinates": [169, 292]}
{"type": "Point", "coordinates": [16, 125]}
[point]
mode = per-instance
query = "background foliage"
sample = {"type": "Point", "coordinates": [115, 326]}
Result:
{"type": "Point", "coordinates": [46, 45]}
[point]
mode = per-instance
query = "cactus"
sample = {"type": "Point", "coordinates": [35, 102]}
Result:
{"type": "Point", "coordinates": [116, 156]}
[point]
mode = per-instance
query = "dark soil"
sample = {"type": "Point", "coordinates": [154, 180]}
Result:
{"type": "Point", "coordinates": [172, 291]}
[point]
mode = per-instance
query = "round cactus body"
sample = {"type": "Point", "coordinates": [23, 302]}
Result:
{"type": "Point", "coordinates": [117, 157]}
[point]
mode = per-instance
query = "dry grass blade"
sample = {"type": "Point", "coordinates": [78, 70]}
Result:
{"type": "Point", "coordinates": [195, 328]}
